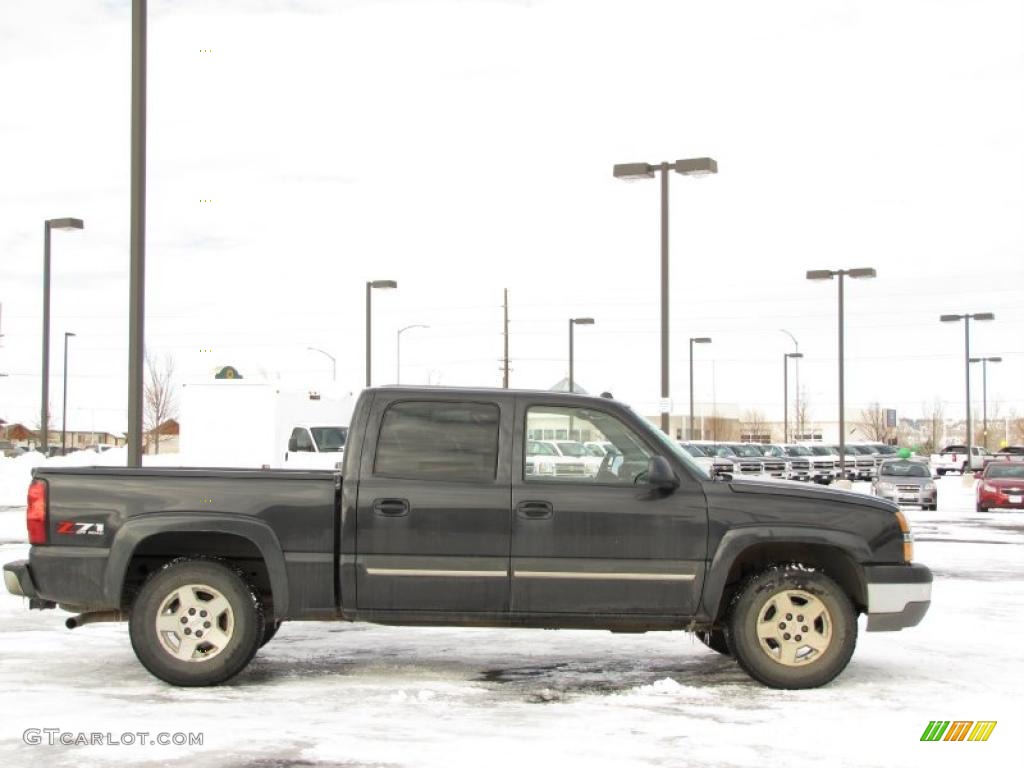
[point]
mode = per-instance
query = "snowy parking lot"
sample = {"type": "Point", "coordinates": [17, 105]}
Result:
{"type": "Point", "coordinates": [351, 695]}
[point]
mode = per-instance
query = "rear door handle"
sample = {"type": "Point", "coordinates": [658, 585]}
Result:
{"type": "Point", "coordinates": [391, 507]}
{"type": "Point", "coordinates": [535, 510]}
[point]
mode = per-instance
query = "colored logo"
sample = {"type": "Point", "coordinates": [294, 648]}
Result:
{"type": "Point", "coordinates": [958, 730]}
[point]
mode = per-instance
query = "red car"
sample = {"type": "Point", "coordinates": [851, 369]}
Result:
{"type": "Point", "coordinates": [1001, 485]}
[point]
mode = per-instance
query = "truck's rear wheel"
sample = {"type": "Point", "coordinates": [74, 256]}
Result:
{"type": "Point", "coordinates": [715, 640]}
{"type": "Point", "coordinates": [792, 628]}
{"type": "Point", "coordinates": [196, 622]}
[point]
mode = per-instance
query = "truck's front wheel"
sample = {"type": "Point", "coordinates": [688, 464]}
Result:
{"type": "Point", "coordinates": [196, 622]}
{"type": "Point", "coordinates": [792, 628]}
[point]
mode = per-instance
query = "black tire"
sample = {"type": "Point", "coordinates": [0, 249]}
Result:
{"type": "Point", "coordinates": [812, 668]}
{"type": "Point", "coordinates": [242, 623]}
{"type": "Point", "coordinates": [940, 472]}
{"type": "Point", "coordinates": [979, 508]}
{"type": "Point", "coordinates": [715, 640]}
{"type": "Point", "coordinates": [269, 630]}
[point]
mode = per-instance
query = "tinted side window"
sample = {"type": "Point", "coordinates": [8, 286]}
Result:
{"type": "Point", "coordinates": [439, 441]}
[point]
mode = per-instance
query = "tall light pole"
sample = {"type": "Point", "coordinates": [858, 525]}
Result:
{"type": "Point", "coordinates": [694, 340]}
{"type": "Point", "coordinates": [980, 316]}
{"type": "Point", "coordinates": [785, 392]}
{"type": "Point", "coordinates": [984, 392]}
{"type": "Point", "coordinates": [574, 321]}
{"type": "Point", "coordinates": [796, 348]}
{"type": "Point", "coordinates": [64, 410]}
{"type": "Point", "coordinates": [370, 285]}
{"type": "Point", "coordinates": [828, 274]}
{"type": "Point", "coordinates": [697, 166]}
{"type": "Point", "coordinates": [44, 420]}
{"type": "Point", "coordinates": [137, 241]}
{"type": "Point", "coordinates": [398, 350]}
{"type": "Point", "coordinates": [334, 363]}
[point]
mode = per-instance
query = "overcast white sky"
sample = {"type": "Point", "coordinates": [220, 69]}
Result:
{"type": "Point", "coordinates": [464, 147]}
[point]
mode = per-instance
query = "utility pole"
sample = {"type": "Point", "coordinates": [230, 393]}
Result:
{"type": "Point", "coordinates": [504, 374]}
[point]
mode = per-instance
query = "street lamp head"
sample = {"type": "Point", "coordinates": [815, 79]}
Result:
{"type": "Point", "coordinates": [795, 354]}
{"type": "Point", "coordinates": [862, 272]}
{"type": "Point", "coordinates": [383, 284]}
{"type": "Point", "coordinates": [701, 340]}
{"type": "Point", "coordinates": [995, 359]}
{"type": "Point", "coordinates": [583, 320]}
{"type": "Point", "coordinates": [696, 166]}
{"type": "Point", "coordinates": [633, 171]}
{"type": "Point", "coordinates": [66, 223]}
{"type": "Point", "coordinates": [984, 316]}
{"type": "Point", "coordinates": [820, 274]}
{"type": "Point", "coordinates": [69, 333]}
{"type": "Point", "coordinates": [950, 318]}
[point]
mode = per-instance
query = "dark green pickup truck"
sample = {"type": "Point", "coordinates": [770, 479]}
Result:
{"type": "Point", "coordinates": [441, 517]}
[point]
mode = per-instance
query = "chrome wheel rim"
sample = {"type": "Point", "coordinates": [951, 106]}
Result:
{"type": "Point", "coordinates": [194, 623]}
{"type": "Point", "coordinates": [794, 628]}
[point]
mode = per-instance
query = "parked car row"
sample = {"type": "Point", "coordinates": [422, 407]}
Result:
{"type": "Point", "coordinates": [813, 462]}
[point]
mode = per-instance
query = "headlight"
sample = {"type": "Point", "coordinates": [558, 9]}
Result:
{"type": "Point", "coordinates": [545, 468]}
{"type": "Point", "coordinates": [989, 488]}
{"type": "Point", "coordinates": [928, 487]}
{"type": "Point", "coordinates": [885, 487]}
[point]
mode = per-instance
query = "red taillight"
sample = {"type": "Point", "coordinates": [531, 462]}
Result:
{"type": "Point", "coordinates": [36, 516]}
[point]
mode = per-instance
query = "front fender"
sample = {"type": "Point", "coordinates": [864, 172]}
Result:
{"type": "Point", "coordinates": [734, 542]}
{"type": "Point", "coordinates": [138, 529]}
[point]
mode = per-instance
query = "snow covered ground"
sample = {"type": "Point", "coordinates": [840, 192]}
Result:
{"type": "Point", "coordinates": [361, 695]}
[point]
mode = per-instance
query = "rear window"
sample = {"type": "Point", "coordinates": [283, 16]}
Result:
{"type": "Point", "coordinates": [452, 441]}
{"type": "Point", "coordinates": [904, 469]}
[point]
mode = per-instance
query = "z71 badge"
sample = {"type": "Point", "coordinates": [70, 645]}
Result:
{"type": "Point", "coordinates": [80, 529]}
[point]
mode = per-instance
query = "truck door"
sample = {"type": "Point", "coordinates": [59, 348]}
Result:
{"type": "Point", "coordinates": [433, 507]}
{"type": "Point", "coordinates": [602, 542]}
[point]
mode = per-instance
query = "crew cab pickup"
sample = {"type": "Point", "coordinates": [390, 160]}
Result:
{"type": "Point", "coordinates": [434, 520]}
{"type": "Point", "coordinates": [954, 458]}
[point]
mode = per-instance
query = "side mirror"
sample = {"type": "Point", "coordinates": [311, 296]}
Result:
{"type": "Point", "coordinates": [660, 474]}
{"type": "Point", "coordinates": [293, 444]}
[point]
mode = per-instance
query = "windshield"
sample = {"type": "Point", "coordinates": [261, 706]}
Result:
{"type": "Point", "coordinates": [887, 450]}
{"type": "Point", "coordinates": [773, 450]}
{"type": "Point", "coordinates": [1015, 471]}
{"type": "Point", "coordinates": [535, 448]}
{"type": "Point", "coordinates": [904, 469]}
{"type": "Point", "coordinates": [693, 450]}
{"type": "Point", "coordinates": [821, 450]}
{"type": "Point", "coordinates": [570, 448]}
{"type": "Point", "coordinates": [798, 450]}
{"type": "Point", "coordinates": [749, 451]}
{"type": "Point", "coordinates": [329, 439]}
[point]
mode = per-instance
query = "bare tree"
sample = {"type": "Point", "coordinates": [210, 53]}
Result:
{"type": "Point", "coordinates": [754, 424]}
{"type": "Point", "coordinates": [873, 422]}
{"type": "Point", "coordinates": [802, 412]}
{"type": "Point", "coordinates": [1016, 430]}
{"type": "Point", "coordinates": [721, 428]}
{"type": "Point", "coordinates": [160, 403]}
{"type": "Point", "coordinates": [936, 429]}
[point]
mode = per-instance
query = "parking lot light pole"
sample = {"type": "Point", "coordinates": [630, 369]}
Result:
{"type": "Point", "coordinates": [796, 348]}
{"type": "Point", "coordinates": [334, 363]}
{"type": "Point", "coordinates": [694, 340]}
{"type": "Point", "coordinates": [574, 321]}
{"type": "Point", "coordinates": [370, 285]}
{"type": "Point", "coordinates": [984, 393]}
{"type": "Point", "coordinates": [398, 350]}
{"type": "Point", "coordinates": [980, 316]}
{"type": "Point", "coordinates": [785, 392]}
{"type": "Point", "coordinates": [828, 274]}
{"type": "Point", "coordinates": [64, 409]}
{"type": "Point", "coordinates": [696, 166]}
{"type": "Point", "coordinates": [44, 421]}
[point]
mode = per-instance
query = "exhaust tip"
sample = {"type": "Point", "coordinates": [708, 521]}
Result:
{"type": "Point", "coordinates": [72, 622]}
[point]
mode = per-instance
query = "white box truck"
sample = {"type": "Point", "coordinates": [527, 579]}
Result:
{"type": "Point", "coordinates": [235, 423]}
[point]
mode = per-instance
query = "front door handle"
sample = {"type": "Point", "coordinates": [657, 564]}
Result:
{"type": "Point", "coordinates": [391, 507]}
{"type": "Point", "coordinates": [535, 510]}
